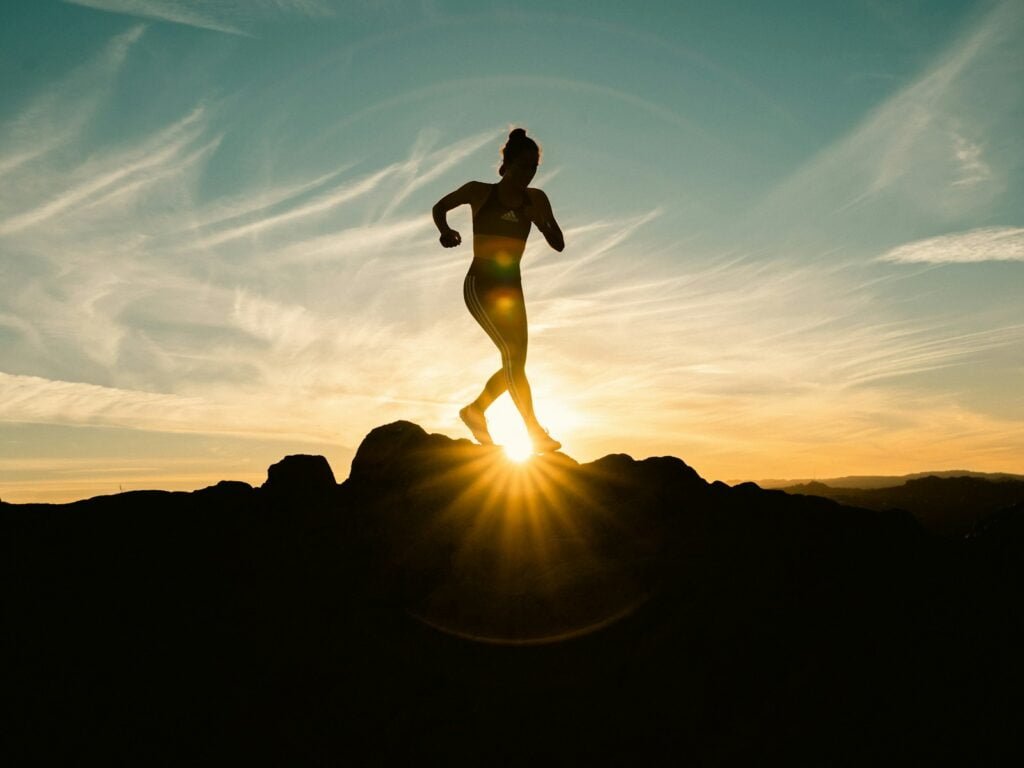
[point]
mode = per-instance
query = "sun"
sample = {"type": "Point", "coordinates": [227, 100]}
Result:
{"type": "Point", "coordinates": [519, 451]}
{"type": "Point", "coordinates": [508, 431]}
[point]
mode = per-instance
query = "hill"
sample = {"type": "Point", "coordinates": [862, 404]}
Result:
{"type": "Point", "coordinates": [950, 506]}
{"type": "Point", "coordinates": [444, 605]}
{"type": "Point", "coordinates": [865, 482]}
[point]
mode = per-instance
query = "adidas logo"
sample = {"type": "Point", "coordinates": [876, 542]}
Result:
{"type": "Point", "coordinates": [509, 216]}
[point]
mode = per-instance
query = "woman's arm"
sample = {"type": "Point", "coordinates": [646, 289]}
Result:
{"type": "Point", "coordinates": [464, 195]}
{"type": "Point", "coordinates": [540, 214]}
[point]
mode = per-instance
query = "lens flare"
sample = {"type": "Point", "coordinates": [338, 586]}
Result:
{"type": "Point", "coordinates": [524, 546]}
{"type": "Point", "coordinates": [519, 451]}
{"type": "Point", "coordinates": [507, 429]}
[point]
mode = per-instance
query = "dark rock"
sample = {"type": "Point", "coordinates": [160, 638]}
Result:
{"type": "Point", "coordinates": [385, 446]}
{"type": "Point", "coordinates": [613, 464]}
{"type": "Point", "coordinates": [747, 488]}
{"type": "Point", "coordinates": [447, 605]}
{"type": "Point", "coordinates": [300, 475]}
{"type": "Point", "coordinates": [668, 470]}
{"type": "Point", "coordinates": [226, 488]}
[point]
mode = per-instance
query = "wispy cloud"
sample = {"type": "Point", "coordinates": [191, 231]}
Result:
{"type": "Point", "coordinates": [355, 242]}
{"type": "Point", "coordinates": [32, 398]}
{"type": "Point", "coordinates": [139, 304]}
{"type": "Point", "coordinates": [106, 175]}
{"type": "Point", "coordinates": [176, 12]}
{"type": "Point", "coordinates": [438, 163]}
{"type": "Point", "coordinates": [230, 16]}
{"type": "Point", "coordinates": [984, 244]}
{"type": "Point", "coordinates": [156, 284]}
{"type": "Point", "coordinates": [927, 150]}
{"type": "Point", "coordinates": [321, 204]}
{"type": "Point", "coordinates": [251, 202]}
{"type": "Point", "coordinates": [973, 169]}
{"type": "Point", "coordinates": [58, 114]}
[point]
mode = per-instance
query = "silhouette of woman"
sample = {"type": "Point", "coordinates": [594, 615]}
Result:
{"type": "Point", "coordinates": [502, 216]}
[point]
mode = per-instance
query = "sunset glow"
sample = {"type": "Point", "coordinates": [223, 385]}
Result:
{"type": "Point", "coordinates": [780, 261]}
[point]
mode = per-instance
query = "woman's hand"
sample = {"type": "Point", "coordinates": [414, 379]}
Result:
{"type": "Point", "coordinates": [468, 194]}
{"type": "Point", "coordinates": [451, 238]}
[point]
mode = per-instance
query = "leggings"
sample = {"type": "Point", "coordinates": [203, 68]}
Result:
{"type": "Point", "coordinates": [498, 306]}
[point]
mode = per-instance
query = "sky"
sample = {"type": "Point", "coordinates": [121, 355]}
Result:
{"type": "Point", "coordinates": [794, 232]}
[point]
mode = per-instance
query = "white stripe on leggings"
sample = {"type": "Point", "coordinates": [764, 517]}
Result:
{"type": "Point", "coordinates": [481, 316]}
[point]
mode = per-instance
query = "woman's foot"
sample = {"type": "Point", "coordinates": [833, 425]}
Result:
{"type": "Point", "coordinates": [473, 418]}
{"type": "Point", "coordinates": [542, 441]}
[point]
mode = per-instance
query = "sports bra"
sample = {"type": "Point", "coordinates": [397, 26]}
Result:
{"type": "Point", "coordinates": [493, 218]}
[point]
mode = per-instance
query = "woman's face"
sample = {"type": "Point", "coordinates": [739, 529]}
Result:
{"type": "Point", "coordinates": [521, 170]}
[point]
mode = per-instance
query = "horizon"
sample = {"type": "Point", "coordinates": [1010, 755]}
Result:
{"type": "Point", "coordinates": [794, 240]}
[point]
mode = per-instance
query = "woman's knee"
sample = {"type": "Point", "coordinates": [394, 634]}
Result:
{"type": "Point", "coordinates": [516, 363]}
{"type": "Point", "coordinates": [515, 350]}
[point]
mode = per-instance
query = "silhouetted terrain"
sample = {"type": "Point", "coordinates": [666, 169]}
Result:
{"type": "Point", "coordinates": [886, 481]}
{"type": "Point", "coordinates": [442, 605]}
{"type": "Point", "coordinates": [951, 506]}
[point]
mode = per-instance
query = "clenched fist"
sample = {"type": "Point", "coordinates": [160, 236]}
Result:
{"type": "Point", "coordinates": [451, 238]}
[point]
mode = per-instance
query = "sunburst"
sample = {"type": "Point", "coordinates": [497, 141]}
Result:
{"type": "Point", "coordinates": [507, 430]}
{"type": "Point", "coordinates": [524, 550]}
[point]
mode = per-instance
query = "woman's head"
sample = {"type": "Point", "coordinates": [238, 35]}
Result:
{"type": "Point", "coordinates": [520, 157]}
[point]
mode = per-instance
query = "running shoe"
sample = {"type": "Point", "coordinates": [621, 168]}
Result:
{"type": "Point", "coordinates": [544, 443]}
{"type": "Point", "coordinates": [477, 424]}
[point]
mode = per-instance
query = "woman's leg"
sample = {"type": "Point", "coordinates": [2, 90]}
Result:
{"type": "Point", "coordinates": [492, 390]}
{"type": "Point", "coordinates": [501, 312]}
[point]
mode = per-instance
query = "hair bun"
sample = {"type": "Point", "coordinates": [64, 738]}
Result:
{"type": "Point", "coordinates": [518, 142]}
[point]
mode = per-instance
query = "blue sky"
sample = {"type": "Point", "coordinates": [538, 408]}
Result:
{"type": "Point", "coordinates": [795, 244]}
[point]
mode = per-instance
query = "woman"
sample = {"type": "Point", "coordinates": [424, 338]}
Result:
{"type": "Point", "coordinates": [502, 216]}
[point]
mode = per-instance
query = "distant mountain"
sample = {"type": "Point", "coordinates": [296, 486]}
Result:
{"type": "Point", "coordinates": [951, 506]}
{"type": "Point", "coordinates": [885, 481]}
{"type": "Point", "coordinates": [445, 606]}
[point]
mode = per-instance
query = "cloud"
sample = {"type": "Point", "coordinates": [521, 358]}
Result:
{"type": "Point", "coordinates": [32, 398]}
{"type": "Point", "coordinates": [230, 16]}
{"type": "Point", "coordinates": [439, 162]}
{"type": "Point", "coordinates": [130, 300]}
{"type": "Point", "coordinates": [150, 288]}
{"type": "Point", "coordinates": [136, 167]}
{"type": "Point", "coordinates": [297, 227]}
{"type": "Point", "coordinates": [323, 203]}
{"type": "Point", "coordinates": [973, 170]}
{"type": "Point", "coordinates": [58, 114]}
{"type": "Point", "coordinates": [250, 202]}
{"type": "Point", "coordinates": [176, 12]}
{"type": "Point", "coordinates": [976, 245]}
{"type": "Point", "coordinates": [354, 242]}
{"type": "Point", "coordinates": [937, 151]}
